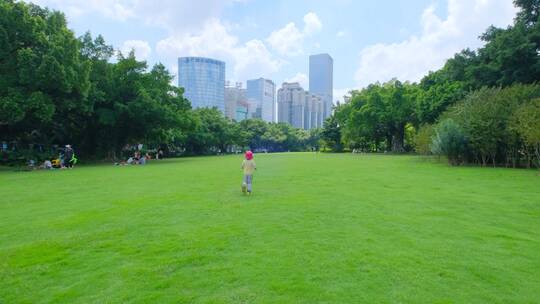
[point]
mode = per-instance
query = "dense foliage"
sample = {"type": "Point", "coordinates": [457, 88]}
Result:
{"type": "Point", "coordinates": [480, 107]}
{"type": "Point", "coordinates": [213, 133]}
{"type": "Point", "coordinates": [57, 89]}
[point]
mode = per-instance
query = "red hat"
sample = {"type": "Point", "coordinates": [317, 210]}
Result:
{"type": "Point", "coordinates": [249, 155]}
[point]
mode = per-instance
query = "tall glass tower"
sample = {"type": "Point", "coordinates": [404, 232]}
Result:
{"type": "Point", "coordinates": [321, 80]}
{"type": "Point", "coordinates": [261, 92]}
{"type": "Point", "coordinates": [203, 80]}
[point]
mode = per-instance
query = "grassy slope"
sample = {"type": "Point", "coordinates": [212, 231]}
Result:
{"type": "Point", "coordinates": [319, 228]}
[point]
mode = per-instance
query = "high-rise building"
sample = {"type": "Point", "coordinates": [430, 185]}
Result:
{"type": "Point", "coordinates": [261, 96]}
{"type": "Point", "coordinates": [234, 95]}
{"type": "Point", "coordinates": [203, 80]}
{"type": "Point", "coordinates": [314, 111]}
{"type": "Point", "coordinates": [321, 80]}
{"type": "Point", "coordinates": [299, 108]}
{"type": "Point", "coordinates": [242, 109]}
{"type": "Point", "coordinates": [291, 101]}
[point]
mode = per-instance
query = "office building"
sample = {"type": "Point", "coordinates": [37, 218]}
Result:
{"type": "Point", "coordinates": [234, 95]}
{"type": "Point", "coordinates": [242, 109]}
{"type": "Point", "coordinates": [315, 111]}
{"type": "Point", "coordinates": [203, 80]}
{"type": "Point", "coordinates": [321, 69]}
{"type": "Point", "coordinates": [291, 101]}
{"type": "Point", "coordinates": [261, 96]}
{"type": "Point", "coordinates": [299, 108]}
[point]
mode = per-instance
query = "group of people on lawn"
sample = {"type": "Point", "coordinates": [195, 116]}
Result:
{"type": "Point", "coordinates": [65, 159]}
{"type": "Point", "coordinates": [139, 159]}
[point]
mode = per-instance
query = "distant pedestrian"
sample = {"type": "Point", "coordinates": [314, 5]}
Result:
{"type": "Point", "coordinates": [69, 157]}
{"type": "Point", "coordinates": [249, 167]}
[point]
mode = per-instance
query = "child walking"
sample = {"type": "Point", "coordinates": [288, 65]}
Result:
{"type": "Point", "coordinates": [248, 165]}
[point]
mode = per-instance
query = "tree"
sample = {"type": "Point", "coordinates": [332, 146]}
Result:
{"type": "Point", "coordinates": [530, 11]}
{"type": "Point", "coordinates": [376, 114]}
{"type": "Point", "coordinates": [43, 80]}
{"type": "Point", "coordinates": [331, 134]}
{"type": "Point", "coordinates": [274, 138]}
{"type": "Point", "coordinates": [211, 133]}
{"type": "Point", "coordinates": [254, 130]}
{"type": "Point", "coordinates": [480, 115]}
{"type": "Point", "coordinates": [435, 96]}
{"type": "Point", "coordinates": [527, 124]}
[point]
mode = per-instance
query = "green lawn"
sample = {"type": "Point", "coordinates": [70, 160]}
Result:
{"type": "Point", "coordinates": [319, 228]}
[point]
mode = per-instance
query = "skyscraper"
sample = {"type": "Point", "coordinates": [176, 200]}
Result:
{"type": "Point", "coordinates": [203, 80]}
{"type": "Point", "coordinates": [242, 109]}
{"type": "Point", "coordinates": [261, 94]}
{"type": "Point", "coordinates": [313, 111]}
{"type": "Point", "coordinates": [299, 108]}
{"type": "Point", "coordinates": [234, 95]}
{"type": "Point", "coordinates": [291, 100]}
{"type": "Point", "coordinates": [321, 80]}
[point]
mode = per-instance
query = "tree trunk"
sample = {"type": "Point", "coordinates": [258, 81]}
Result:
{"type": "Point", "coordinates": [388, 143]}
{"type": "Point", "coordinates": [484, 159]}
{"type": "Point", "coordinates": [397, 140]}
{"type": "Point", "coordinates": [494, 159]}
{"type": "Point", "coordinates": [527, 156]}
{"type": "Point", "coordinates": [537, 152]}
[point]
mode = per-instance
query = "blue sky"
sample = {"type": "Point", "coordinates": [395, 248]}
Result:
{"type": "Point", "coordinates": [369, 40]}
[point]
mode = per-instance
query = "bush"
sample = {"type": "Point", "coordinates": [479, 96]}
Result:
{"type": "Point", "coordinates": [450, 141]}
{"type": "Point", "coordinates": [423, 139]}
{"type": "Point", "coordinates": [526, 121]}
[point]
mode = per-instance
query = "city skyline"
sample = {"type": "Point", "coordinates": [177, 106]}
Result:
{"type": "Point", "coordinates": [201, 77]}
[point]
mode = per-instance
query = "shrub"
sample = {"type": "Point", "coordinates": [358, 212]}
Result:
{"type": "Point", "coordinates": [450, 141]}
{"type": "Point", "coordinates": [423, 139]}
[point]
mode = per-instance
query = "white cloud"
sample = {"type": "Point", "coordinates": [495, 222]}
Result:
{"type": "Point", "coordinates": [339, 93]}
{"type": "Point", "coordinates": [312, 23]}
{"type": "Point", "coordinates": [301, 78]}
{"type": "Point", "coordinates": [340, 34]}
{"type": "Point", "coordinates": [173, 15]}
{"type": "Point", "coordinates": [142, 48]}
{"type": "Point", "coordinates": [247, 60]}
{"type": "Point", "coordinates": [440, 39]}
{"type": "Point", "coordinates": [289, 40]}
{"type": "Point", "coordinates": [114, 9]}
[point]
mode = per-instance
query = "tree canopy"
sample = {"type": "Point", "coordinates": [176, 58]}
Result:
{"type": "Point", "coordinates": [479, 107]}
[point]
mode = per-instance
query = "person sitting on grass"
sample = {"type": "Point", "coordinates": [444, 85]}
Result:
{"type": "Point", "coordinates": [47, 164]}
{"type": "Point", "coordinates": [136, 157]}
{"type": "Point", "coordinates": [142, 160]}
{"type": "Point", "coordinates": [248, 165]}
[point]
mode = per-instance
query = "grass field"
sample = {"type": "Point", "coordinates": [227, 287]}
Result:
{"type": "Point", "coordinates": [319, 228]}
